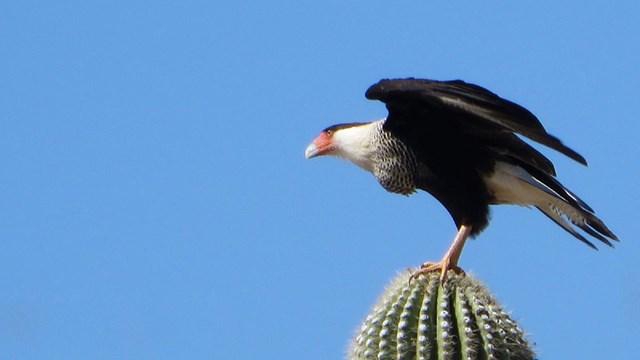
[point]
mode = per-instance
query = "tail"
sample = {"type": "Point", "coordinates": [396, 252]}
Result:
{"type": "Point", "coordinates": [530, 186]}
{"type": "Point", "coordinates": [563, 213]}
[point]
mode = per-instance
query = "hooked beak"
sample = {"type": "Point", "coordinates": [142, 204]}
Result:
{"type": "Point", "coordinates": [312, 151]}
{"type": "Point", "coordinates": [322, 145]}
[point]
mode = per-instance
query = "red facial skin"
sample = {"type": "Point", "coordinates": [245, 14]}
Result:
{"type": "Point", "coordinates": [324, 143]}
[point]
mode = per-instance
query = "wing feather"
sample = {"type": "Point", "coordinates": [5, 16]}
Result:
{"type": "Point", "coordinates": [476, 108]}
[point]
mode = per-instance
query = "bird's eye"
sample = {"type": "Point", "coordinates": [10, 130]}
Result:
{"type": "Point", "coordinates": [329, 132]}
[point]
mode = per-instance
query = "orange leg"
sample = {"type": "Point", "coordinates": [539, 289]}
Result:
{"type": "Point", "coordinates": [450, 259]}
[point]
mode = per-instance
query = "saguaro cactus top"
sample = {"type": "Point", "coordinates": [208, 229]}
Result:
{"type": "Point", "coordinates": [424, 319]}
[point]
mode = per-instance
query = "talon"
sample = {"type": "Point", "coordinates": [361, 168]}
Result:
{"type": "Point", "coordinates": [450, 259]}
{"type": "Point", "coordinates": [443, 267]}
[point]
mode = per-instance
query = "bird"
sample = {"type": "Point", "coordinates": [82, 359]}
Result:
{"type": "Point", "coordinates": [462, 144]}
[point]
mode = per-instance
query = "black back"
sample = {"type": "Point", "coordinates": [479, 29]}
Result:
{"type": "Point", "coordinates": [457, 131]}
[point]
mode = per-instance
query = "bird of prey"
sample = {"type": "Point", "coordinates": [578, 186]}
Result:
{"type": "Point", "coordinates": [457, 141]}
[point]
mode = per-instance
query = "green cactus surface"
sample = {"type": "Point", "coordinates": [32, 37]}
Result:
{"type": "Point", "coordinates": [421, 318]}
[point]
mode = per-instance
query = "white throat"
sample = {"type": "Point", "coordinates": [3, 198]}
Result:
{"type": "Point", "coordinates": [356, 144]}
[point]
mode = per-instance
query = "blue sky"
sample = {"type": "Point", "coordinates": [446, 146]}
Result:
{"type": "Point", "coordinates": [157, 203]}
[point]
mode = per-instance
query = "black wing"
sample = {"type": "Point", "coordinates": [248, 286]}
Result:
{"type": "Point", "coordinates": [478, 110]}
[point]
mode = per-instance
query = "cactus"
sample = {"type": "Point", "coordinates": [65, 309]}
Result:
{"type": "Point", "coordinates": [421, 318]}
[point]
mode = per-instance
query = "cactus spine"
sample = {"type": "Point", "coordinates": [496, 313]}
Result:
{"type": "Point", "coordinates": [424, 319]}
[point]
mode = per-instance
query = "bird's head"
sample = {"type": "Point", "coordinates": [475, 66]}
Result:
{"type": "Point", "coordinates": [352, 142]}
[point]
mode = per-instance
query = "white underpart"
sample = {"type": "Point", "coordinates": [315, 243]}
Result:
{"type": "Point", "coordinates": [511, 184]}
{"type": "Point", "coordinates": [356, 144]}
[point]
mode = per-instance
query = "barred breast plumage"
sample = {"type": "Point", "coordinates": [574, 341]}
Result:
{"type": "Point", "coordinates": [395, 165]}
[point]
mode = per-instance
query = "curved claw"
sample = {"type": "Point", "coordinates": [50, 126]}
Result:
{"type": "Point", "coordinates": [450, 259]}
{"type": "Point", "coordinates": [443, 267]}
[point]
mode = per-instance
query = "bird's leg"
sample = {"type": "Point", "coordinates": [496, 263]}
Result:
{"type": "Point", "coordinates": [450, 259]}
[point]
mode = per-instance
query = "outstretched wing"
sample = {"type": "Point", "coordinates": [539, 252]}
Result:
{"type": "Point", "coordinates": [478, 111]}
